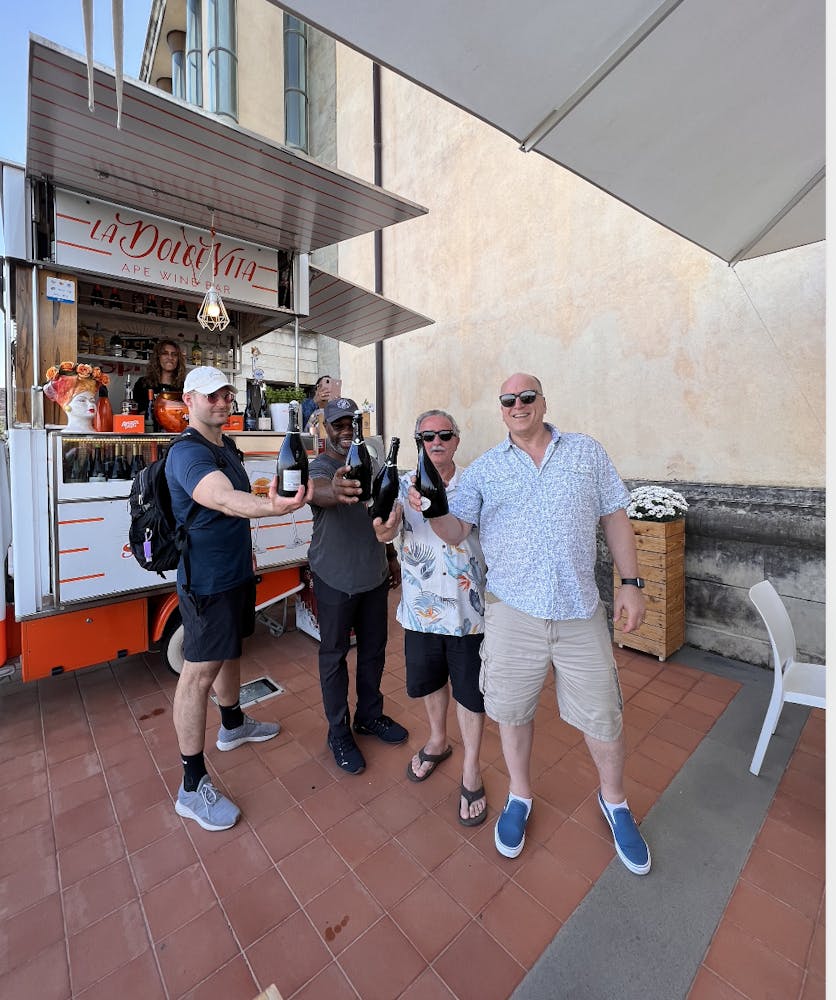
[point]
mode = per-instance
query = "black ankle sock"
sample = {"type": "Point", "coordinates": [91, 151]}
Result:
{"type": "Point", "coordinates": [232, 717]}
{"type": "Point", "coordinates": [193, 770]}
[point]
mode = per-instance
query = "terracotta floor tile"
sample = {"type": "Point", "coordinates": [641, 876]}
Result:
{"type": "Point", "coordinates": [560, 790]}
{"type": "Point", "coordinates": [356, 837]}
{"type": "Point", "coordinates": [382, 963]}
{"type": "Point", "coordinates": [290, 955]}
{"type": "Point", "coordinates": [751, 966]}
{"type": "Point", "coordinates": [555, 885]}
{"type": "Point", "coordinates": [814, 988]}
{"type": "Point", "coordinates": [126, 773]}
{"type": "Point", "coordinates": [652, 703]}
{"type": "Point", "coordinates": [131, 747]}
{"type": "Point", "coordinates": [82, 821]}
{"type": "Point", "coordinates": [150, 825]}
{"type": "Point", "coordinates": [285, 757]}
{"type": "Point", "coordinates": [806, 788]}
{"type": "Point", "coordinates": [580, 849]}
{"type": "Point", "coordinates": [311, 869]}
{"type": "Point", "coordinates": [32, 930]}
{"type": "Point", "coordinates": [45, 976]}
{"type": "Point", "coordinates": [520, 923]}
{"type": "Point", "coordinates": [105, 946]}
{"type": "Point", "coordinates": [140, 796]}
{"type": "Point", "coordinates": [231, 982]}
{"type": "Point", "coordinates": [97, 895]}
{"type": "Point", "coordinates": [780, 927]}
{"type": "Point", "coordinates": [24, 816]}
{"type": "Point", "coordinates": [474, 966]}
{"type": "Point", "coordinates": [72, 746]}
{"type": "Point", "coordinates": [24, 765]}
{"type": "Point", "coordinates": [662, 751]}
{"type": "Point", "coordinates": [23, 789]}
{"type": "Point", "coordinates": [195, 951]}
{"type": "Point", "coordinates": [259, 906]}
{"type": "Point", "coordinates": [265, 803]}
{"type": "Point", "coordinates": [691, 718]}
{"type": "Point", "coordinates": [244, 777]}
{"type": "Point", "coordinates": [343, 912]}
{"type": "Point", "coordinates": [71, 796]}
{"type": "Point", "coordinates": [76, 769]}
{"type": "Point", "coordinates": [430, 918]}
{"type": "Point", "coordinates": [637, 717]}
{"type": "Point", "coordinates": [177, 900]}
{"type": "Point", "coordinates": [365, 787]}
{"type": "Point", "coordinates": [162, 859]}
{"type": "Point", "coordinates": [708, 985]}
{"type": "Point", "coordinates": [329, 805]}
{"type": "Point", "coordinates": [27, 886]}
{"type": "Point", "coordinates": [239, 861]}
{"type": "Point", "coordinates": [428, 986]}
{"type": "Point", "coordinates": [787, 883]}
{"type": "Point", "coordinates": [286, 833]}
{"type": "Point", "coordinates": [799, 848]}
{"type": "Point", "coordinates": [679, 735]}
{"type": "Point", "coordinates": [390, 873]}
{"type": "Point", "coordinates": [639, 767]}
{"type": "Point", "coordinates": [89, 855]}
{"type": "Point", "coordinates": [139, 979]}
{"type": "Point", "coordinates": [817, 955]}
{"type": "Point", "coordinates": [430, 840]}
{"type": "Point", "coordinates": [395, 809]}
{"type": "Point", "coordinates": [470, 879]}
{"type": "Point", "coordinates": [26, 849]}
{"type": "Point", "coordinates": [330, 984]}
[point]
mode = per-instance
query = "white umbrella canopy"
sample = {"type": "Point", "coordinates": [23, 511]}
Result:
{"type": "Point", "coordinates": [708, 116]}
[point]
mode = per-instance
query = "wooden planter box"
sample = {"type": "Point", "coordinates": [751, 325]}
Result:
{"type": "Point", "coordinates": [661, 552]}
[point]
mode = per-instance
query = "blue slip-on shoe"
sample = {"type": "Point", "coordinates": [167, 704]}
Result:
{"type": "Point", "coordinates": [629, 843]}
{"type": "Point", "coordinates": [207, 806]}
{"type": "Point", "coordinates": [250, 731]}
{"type": "Point", "coordinates": [509, 834]}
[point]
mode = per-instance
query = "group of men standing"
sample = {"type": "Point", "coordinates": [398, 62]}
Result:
{"type": "Point", "coordinates": [494, 595]}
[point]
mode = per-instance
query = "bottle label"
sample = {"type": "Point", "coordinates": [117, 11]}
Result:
{"type": "Point", "coordinates": [426, 503]}
{"type": "Point", "coordinates": [291, 480]}
{"type": "Point", "coordinates": [265, 424]}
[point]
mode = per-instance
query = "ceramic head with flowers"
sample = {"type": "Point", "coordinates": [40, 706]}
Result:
{"type": "Point", "coordinates": [75, 388]}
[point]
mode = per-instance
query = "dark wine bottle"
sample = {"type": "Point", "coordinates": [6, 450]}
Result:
{"type": "Point", "coordinates": [386, 485]}
{"type": "Point", "coordinates": [360, 461]}
{"type": "Point", "coordinates": [150, 422]}
{"type": "Point", "coordinates": [292, 460]}
{"type": "Point", "coordinates": [137, 463]}
{"type": "Point", "coordinates": [430, 485]}
{"type": "Point", "coordinates": [264, 423]}
{"type": "Point", "coordinates": [250, 415]}
{"type": "Point", "coordinates": [97, 472]}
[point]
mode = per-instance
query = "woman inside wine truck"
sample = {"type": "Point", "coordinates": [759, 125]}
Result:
{"type": "Point", "coordinates": [166, 372]}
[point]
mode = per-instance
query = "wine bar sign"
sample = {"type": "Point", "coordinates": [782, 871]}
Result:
{"type": "Point", "coordinates": [124, 243]}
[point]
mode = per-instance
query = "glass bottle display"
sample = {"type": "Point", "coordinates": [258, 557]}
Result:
{"type": "Point", "coordinates": [292, 460]}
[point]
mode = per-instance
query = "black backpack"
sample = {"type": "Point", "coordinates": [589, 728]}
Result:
{"type": "Point", "coordinates": [156, 541]}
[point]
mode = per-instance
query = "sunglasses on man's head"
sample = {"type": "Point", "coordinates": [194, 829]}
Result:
{"type": "Point", "coordinates": [526, 397]}
{"type": "Point", "coordinates": [432, 435]}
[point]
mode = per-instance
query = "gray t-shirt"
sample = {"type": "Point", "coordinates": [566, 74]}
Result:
{"type": "Point", "coordinates": [344, 551]}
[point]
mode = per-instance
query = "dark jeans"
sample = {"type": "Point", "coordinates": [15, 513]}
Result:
{"type": "Point", "coordinates": [338, 613]}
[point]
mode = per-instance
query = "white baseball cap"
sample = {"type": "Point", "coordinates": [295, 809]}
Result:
{"type": "Point", "coordinates": [206, 380]}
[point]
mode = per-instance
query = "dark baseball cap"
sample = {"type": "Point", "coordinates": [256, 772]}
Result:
{"type": "Point", "coordinates": [336, 409]}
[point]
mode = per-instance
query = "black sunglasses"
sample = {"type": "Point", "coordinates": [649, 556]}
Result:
{"type": "Point", "coordinates": [526, 397]}
{"type": "Point", "coordinates": [432, 435]}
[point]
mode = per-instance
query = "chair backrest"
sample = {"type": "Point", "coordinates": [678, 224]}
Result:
{"type": "Point", "coordinates": [781, 633]}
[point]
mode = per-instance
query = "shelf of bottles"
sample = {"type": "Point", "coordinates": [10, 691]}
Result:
{"type": "Point", "coordinates": [102, 466]}
{"type": "Point", "coordinates": [121, 327]}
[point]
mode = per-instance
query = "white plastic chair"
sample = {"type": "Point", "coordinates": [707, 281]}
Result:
{"type": "Point", "coordinates": [797, 683]}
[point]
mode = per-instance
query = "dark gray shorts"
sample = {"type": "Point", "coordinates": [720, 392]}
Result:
{"type": "Point", "coordinates": [432, 658]}
{"type": "Point", "coordinates": [214, 625]}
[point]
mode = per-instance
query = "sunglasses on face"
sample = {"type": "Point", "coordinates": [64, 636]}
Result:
{"type": "Point", "coordinates": [432, 435]}
{"type": "Point", "coordinates": [526, 397]}
{"type": "Point", "coordinates": [221, 396]}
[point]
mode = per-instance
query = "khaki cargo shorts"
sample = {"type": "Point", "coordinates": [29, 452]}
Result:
{"type": "Point", "coordinates": [517, 653]}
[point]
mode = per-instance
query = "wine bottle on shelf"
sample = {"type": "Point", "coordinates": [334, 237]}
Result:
{"type": "Point", "coordinates": [292, 460]}
{"type": "Point", "coordinates": [137, 462]}
{"type": "Point", "coordinates": [103, 418]}
{"type": "Point", "coordinates": [116, 345]}
{"type": "Point", "coordinates": [386, 485]}
{"type": "Point", "coordinates": [83, 340]}
{"type": "Point", "coordinates": [114, 299]}
{"type": "Point", "coordinates": [264, 421]}
{"type": "Point", "coordinates": [137, 305]}
{"type": "Point", "coordinates": [429, 484]}
{"type": "Point", "coordinates": [250, 416]}
{"type": "Point", "coordinates": [182, 311]}
{"type": "Point", "coordinates": [149, 413]}
{"type": "Point", "coordinates": [197, 353]}
{"type": "Point", "coordinates": [97, 296]}
{"type": "Point", "coordinates": [97, 472]}
{"type": "Point", "coordinates": [166, 308]}
{"type": "Point", "coordinates": [230, 355]}
{"type": "Point", "coordinates": [359, 460]}
{"type": "Point", "coordinates": [151, 305]}
{"type": "Point", "coordinates": [120, 466]}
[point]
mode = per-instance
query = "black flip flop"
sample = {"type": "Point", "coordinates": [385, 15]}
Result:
{"type": "Point", "coordinates": [470, 798]}
{"type": "Point", "coordinates": [427, 758]}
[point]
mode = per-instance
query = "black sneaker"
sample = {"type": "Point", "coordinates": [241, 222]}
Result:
{"type": "Point", "coordinates": [346, 754]}
{"type": "Point", "coordinates": [383, 728]}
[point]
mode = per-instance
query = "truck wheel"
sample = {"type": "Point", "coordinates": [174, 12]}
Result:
{"type": "Point", "coordinates": [171, 643]}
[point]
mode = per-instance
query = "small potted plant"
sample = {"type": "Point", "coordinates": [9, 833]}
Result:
{"type": "Point", "coordinates": [656, 503]}
{"type": "Point", "coordinates": [278, 400]}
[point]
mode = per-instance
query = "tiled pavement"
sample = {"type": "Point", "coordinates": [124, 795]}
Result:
{"type": "Point", "coordinates": [363, 886]}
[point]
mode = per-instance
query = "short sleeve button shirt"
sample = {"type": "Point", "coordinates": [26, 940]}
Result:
{"type": "Point", "coordinates": [537, 526]}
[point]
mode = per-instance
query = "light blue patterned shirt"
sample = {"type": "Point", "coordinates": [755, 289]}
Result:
{"type": "Point", "coordinates": [442, 586]}
{"type": "Point", "coordinates": [538, 526]}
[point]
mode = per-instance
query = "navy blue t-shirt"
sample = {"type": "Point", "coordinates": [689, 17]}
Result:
{"type": "Point", "coordinates": [220, 546]}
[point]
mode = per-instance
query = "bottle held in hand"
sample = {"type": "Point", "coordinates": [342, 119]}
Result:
{"type": "Point", "coordinates": [292, 461]}
{"type": "Point", "coordinates": [359, 460]}
{"type": "Point", "coordinates": [430, 485]}
{"type": "Point", "coordinates": [386, 486]}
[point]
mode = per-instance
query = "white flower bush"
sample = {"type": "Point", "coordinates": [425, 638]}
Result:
{"type": "Point", "coordinates": [656, 503]}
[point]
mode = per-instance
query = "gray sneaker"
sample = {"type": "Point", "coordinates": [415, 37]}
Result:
{"type": "Point", "coordinates": [250, 731]}
{"type": "Point", "coordinates": [207, 806]}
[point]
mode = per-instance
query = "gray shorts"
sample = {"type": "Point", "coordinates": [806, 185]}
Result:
{"type": "Point", "coordinates": [517, 653]}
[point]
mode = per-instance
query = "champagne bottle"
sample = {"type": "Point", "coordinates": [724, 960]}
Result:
{"type": "Point", "coordinates": [97, 473]}
{"type": "Point", "coordinates": [137, 462]}
{"type": "Point", "coordinates": [97, 296]}
{"type": "Point", "coordinates": [197, 353]}
{"type": "Point", "coordinates": [115, 299]}
{"type": "Point", "coordinates": [359, 460]}
{"type": "Point", "coordinates": [103, 418]}
{"type": "Point", "coordinates": [264, 422]}
{"type": "Point", "coordinates": [386, 486]}
{"type": "Point", "coordinates": [292, 460]}
{"type": "Point", "coordinates": [121, 469]}
{"type": "Point", "coordinates": [149, 413]}
{"type": "Point", "coordinates": [430, 485]}
{"type": "Point", "coordinates": [250, 416]}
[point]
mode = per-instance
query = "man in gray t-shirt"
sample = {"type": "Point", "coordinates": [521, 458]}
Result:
{"type": "Point", "coordinates": [352, 573]}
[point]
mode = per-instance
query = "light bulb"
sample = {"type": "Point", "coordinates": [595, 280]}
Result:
{"type": "Point", "coordinates": [213, 309]}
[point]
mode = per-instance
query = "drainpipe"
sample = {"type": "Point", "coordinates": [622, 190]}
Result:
{"type": "Point", "coordinates": [379, 402]}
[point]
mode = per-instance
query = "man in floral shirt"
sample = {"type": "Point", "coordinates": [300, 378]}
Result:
{"type": "Point", "coordinates": [441, 610]}
{"type": "Point", "coordinates": [538, 498]}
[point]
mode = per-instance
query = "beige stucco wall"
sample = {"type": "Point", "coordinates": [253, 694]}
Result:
{"type": "Point", "coordinates": [261, 78]}
{"type": "Point", "coordinates": [683, 367]}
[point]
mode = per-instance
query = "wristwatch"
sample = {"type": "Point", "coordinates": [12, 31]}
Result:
{"type": "Point", "coordinates": [633, 581]}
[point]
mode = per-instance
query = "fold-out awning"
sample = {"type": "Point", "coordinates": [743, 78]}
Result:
{"type": "Point", "coordinates": [708, 116]}
{"type": "Point", "coordinates": [177, 161]}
